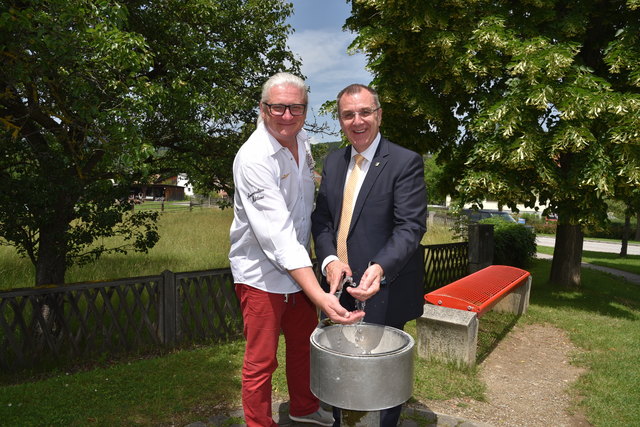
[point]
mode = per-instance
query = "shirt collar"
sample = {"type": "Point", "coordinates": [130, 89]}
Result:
{"type": "Point", "coordinates": [302, 137]}
{"type": "Point", "coordinates": [370, 151]}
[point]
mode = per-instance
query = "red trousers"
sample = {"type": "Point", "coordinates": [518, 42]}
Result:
{"type": "Point", "coordinates": [265, 315]}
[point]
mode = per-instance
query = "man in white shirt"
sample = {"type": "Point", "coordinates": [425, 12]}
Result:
{"type": "Point", "coordinates": [270, 243]}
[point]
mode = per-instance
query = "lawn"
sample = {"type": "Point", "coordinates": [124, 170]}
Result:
{"type": "Point", "coordinates": [189, 241]}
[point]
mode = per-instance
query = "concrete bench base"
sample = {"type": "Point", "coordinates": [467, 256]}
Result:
{"type": "Point", "coordinates": [451, 335]}
{"type": "Point", "coordinates": [447, 334]}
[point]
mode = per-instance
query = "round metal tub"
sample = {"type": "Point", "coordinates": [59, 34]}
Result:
{"type": "Point", "coordinates": [363, 367]}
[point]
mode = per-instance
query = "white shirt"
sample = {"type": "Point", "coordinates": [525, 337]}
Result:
{"type": "Point", "coordinates": [364, 168]}
{"type": "Point", "coordinates": [271, 229]}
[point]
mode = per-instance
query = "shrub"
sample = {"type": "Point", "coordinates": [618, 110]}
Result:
{"type": "Point", "coordinates": [610, 230]}
{"type": "Point", "coordinates": [545, 227]}
{"type": "Point", "coordinates": [514, 244]}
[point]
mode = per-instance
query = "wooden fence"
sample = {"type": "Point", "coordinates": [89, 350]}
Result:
{"type": "Point", "coordinates": [49, 324]}
{"type": "Point", "coordinates": [181, 206]}
{"type": "Point", "coordinates": [56, 325]}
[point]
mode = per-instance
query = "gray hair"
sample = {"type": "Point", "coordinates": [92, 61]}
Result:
{"type": "Point", "coordinates": [354, 88]}
{"type": "Point", "coordinates": [284, 79]}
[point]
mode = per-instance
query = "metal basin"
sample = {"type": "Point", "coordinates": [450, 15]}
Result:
{"type": "Point", "coordinates": [363, 367]}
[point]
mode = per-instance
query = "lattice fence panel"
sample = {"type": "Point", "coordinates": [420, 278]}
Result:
{"type": "Point", "coordinates": [74, 321]}
{"type": "Point", "coordinates": [208, 307]}
{"type": "Point", "coordinates": [445, 263]}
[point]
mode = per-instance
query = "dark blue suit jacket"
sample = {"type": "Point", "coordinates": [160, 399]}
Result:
{"type": "Point", "coordinates": [388, 223]}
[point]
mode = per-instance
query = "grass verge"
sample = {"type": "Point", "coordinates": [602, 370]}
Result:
{"type": "Point", "coordinates": [630, 263]}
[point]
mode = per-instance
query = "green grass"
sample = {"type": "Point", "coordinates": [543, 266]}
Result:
{"type": "Point", "coordinates": [630, 263]}
{"type": "Point", "coordinates": [176, 389]}
{"type": "Point", "coordinates": [438, 234]}
{"type": "Point", "coordinates": [189, 241]}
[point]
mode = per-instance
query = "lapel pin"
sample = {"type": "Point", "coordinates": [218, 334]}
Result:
{"type": "Point", "coordinates": [377, 163]}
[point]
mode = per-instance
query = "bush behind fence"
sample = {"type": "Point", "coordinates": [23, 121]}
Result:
{"type": "Point", "coordinates": [58, 325]}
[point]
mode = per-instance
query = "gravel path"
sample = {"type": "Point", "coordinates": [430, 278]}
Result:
{"type": "Point", "coordinates": [527, 377]}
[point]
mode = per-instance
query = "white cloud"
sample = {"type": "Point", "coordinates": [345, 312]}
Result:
{"type": "Point", "coordinates": [327, 65]}
{"type": "Point", "coordinates": [325, 60]}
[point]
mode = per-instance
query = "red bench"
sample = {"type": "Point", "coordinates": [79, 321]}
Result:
{"type": "Point", "coordinates": [448, 328]}
{"type": "Point", "coordinates": [480, 291]}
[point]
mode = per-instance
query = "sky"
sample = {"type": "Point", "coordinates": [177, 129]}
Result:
{"type": "Point", "coordinates": [321, 44]}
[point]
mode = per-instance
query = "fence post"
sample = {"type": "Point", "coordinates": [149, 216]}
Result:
{"type": "Point", "coordinates": [168, 312]}
{"type": "Point", "coordinates": [431, 218]}
{"type": "Point", "coordinates": [480, 246]}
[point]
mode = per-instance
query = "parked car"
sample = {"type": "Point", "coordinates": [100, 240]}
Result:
{"type": "Point", "coordinates": [475, 216]}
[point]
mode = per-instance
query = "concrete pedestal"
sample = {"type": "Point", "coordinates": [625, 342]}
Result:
{"type": "Point", "coordinates": [447, 334]}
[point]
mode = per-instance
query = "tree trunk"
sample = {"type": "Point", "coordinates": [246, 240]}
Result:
{"type": "Point", "coordinates": [626, 232]}
{"type": "Point", "coordinates": [51, 266]}
{"type": "Point", "coordinates": [567, 256]}
{"type": "Point", "coordinates": [50, 270]}
{"type": "Point", "coordinates": [52, 250]}
{"type": "Point", "coordinates": [637, 239]}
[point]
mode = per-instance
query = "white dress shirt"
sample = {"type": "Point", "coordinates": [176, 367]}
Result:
{"type": "Point", "coordinates": [364, 168]}
{"type": "Point", "coordinates": [271, 229]}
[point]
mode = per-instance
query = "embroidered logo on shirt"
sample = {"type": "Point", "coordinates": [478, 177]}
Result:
{"type": "Point", "coordinates": [255, 196]}
{"type": "Point", "coordinates": [284, 176]}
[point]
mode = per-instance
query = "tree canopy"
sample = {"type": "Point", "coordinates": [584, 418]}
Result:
{"type": "Point", "coordinates": [97, 95]}
{"type": "Point", "coordinates": [530, 101]}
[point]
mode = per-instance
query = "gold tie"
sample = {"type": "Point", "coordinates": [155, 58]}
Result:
{"type": "Point", "coordinates": [347, 209]}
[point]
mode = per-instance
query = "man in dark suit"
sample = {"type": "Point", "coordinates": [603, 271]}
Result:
{"type": "Point", "coordinates": [387, 219]}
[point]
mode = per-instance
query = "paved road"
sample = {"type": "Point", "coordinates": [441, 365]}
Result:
{"type": "Point", "coordinates": [595, 246]}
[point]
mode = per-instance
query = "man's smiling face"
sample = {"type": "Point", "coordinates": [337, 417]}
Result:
{"type": "Point", "coordinates": [360, 131]}
{"type": "Point", "coordinates": [285, 127]}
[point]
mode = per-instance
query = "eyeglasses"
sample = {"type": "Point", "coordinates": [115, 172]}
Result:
{"type": "Point", "coordinates": [280, 109]}
{"type": "Point", "coordinates": [350, 115]}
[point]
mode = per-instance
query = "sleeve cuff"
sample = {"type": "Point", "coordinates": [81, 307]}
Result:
{"type": "Point", "coordinates": [326, 262]}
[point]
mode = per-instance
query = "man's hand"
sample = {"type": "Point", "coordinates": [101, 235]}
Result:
{"type": "Point", "coordinates": [337, 313]}
{"type": "Point", "coordinates": [369, 283]}
{"type": "Point", "coordinates": [328, 303]}
{"type": "Point", "coordinates": [336, 271]}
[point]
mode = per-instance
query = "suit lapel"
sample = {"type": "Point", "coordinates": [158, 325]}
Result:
{"type": "Point", "coordinates": [378, 163]}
